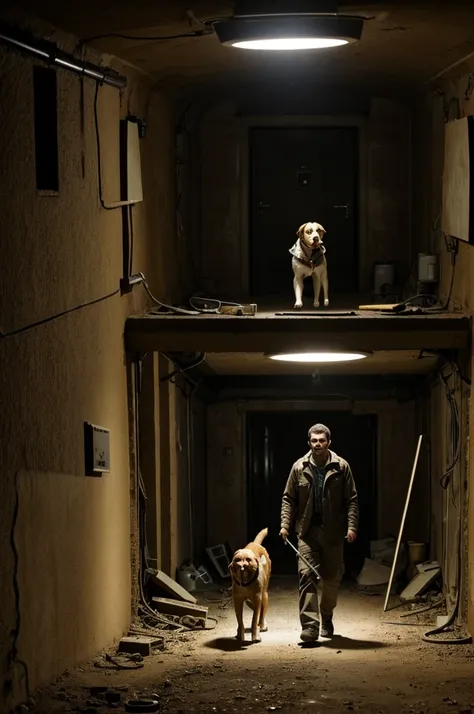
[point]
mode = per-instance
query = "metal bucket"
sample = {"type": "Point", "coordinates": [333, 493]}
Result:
{"type": "Point", "coordinates": [417, 552]}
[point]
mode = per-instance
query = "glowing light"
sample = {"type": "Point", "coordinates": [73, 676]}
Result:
{"type": "Point", "coordinates": [318, 357]}
{"type": "Point", "coordinates": [290, 43]}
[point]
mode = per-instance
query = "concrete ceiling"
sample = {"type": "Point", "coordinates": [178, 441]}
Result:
{"type": "Point", "coordinates": [384, 362]}
{"type": "Point", "coordinates": [406, 42]}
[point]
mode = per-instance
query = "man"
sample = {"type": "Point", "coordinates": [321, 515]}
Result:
{"type": "Point", "coordinates": [320, 502]}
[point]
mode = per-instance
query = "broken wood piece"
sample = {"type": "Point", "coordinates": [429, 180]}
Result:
{"type": "Point", "coordinates": [173, 607]}
{"type": "Point", "coordinates": [419, 583]}
{"type": "Point", "coordinates": [139, 644]}
{"type": "Point", "coordinates": [170, 586]}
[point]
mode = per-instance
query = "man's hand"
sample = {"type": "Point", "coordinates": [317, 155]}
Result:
{"type": "Point", "coordinates": [351, 536]}
{"type": "Point", "coordinates": [284, 533]}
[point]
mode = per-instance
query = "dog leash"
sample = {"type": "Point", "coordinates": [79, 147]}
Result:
{"type": "Point", "coordinates": [306, 562]}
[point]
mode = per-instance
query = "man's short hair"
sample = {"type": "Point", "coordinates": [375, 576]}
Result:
{"type": "Point", "coordinates": [319, 429]}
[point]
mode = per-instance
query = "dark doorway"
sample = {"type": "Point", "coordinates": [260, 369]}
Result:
{"type": "Point", "coordinates": [299, 175]}
{"type": "Point", "coordinates": [274, 442]}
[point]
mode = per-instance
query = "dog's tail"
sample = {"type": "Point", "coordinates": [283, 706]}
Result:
{"type": "Point", "coordinates": [260, 536]}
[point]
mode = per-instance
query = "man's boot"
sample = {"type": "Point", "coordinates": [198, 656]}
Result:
{"type": "Point", "coordinates": [310, 634]}
{"type": "Point", "coordinates": [327, 627]}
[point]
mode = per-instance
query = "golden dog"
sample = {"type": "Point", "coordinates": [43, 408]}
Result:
{"type": "Point", "coordinates": [250, 570]}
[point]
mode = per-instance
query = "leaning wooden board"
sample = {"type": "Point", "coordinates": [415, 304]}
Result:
{"type": "Point", "coordinates": [174, 607]}
{"type": "Point", "coordinates": [171, 586]}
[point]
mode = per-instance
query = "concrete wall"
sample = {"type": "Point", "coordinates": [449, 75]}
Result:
{"type": "Point", "coordinates": [385, 182]}
{"type": "Point", "coordinates": [450, 98]}
{"type": "Point", "coordinates": [72, 533]}
{"type": "Point", "coordinates": [398, 429]}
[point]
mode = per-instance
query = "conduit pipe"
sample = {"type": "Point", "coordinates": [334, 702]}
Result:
{"type": "Point", "coordinates": [49, 53]}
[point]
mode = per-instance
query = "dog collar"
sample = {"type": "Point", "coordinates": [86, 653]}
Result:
{"type": "Point", "coordinates": [309, 263]}
{"type": "Point", "coordinates": [317, 255]}
{"type": "Point", "coordinates": [252, 579]}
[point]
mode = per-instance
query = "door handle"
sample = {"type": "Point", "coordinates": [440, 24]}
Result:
{"type": "Point", "coordinates": [263, 205]}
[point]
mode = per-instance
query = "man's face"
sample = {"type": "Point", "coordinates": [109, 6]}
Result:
{"type": "Point", "coordinates": [319, 444]}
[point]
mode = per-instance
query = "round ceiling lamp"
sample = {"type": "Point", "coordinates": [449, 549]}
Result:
{"type": "Point", "coordinates": [316, 357]}
{"type": "Point", "coordinates": [287, 25]}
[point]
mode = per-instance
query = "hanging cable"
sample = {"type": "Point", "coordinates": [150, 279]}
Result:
{"type": "Point", "coordinates": [15, 632]}
{"type": "Point", "coordinates": [170, 308]}
{"type": "Point", "coordinates": [180, 370]}
{"type": "Point", "coordinates": [57, 315]}
{"type": "Point", "coordinates": [148, 38]}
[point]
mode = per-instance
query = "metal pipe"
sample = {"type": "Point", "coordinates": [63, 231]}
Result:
{"type": "Point", "coordinates": [305, 561]}
{"type": "Point", "coordinates": [48, 52]}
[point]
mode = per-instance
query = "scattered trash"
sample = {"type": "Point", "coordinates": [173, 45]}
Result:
{"type": "Point", "coordinates": [111, 696]}
{"type": "Point", "coordinates": [220, 559]}
{"type": "Point", "coordinates": [120, 661]}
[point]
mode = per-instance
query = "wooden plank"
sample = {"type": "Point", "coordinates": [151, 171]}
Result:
{"type": "Point", "coordinates": [402, 524]}
{"type": "Point", "coordinates": [174, 607]}
{"type": "Point", "coordinates": [171, 586]}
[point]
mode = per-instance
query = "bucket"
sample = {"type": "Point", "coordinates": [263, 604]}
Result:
{"type": "Point", "coordinates": [416, 552]}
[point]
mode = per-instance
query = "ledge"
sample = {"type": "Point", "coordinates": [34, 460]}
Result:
{"type": "Point", "coordinates": [268, 331]}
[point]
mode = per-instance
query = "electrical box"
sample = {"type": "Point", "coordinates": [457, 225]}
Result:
{"type": "Point", "coordinates": [96, 449]}
{"type": "Point", "coordinates": [131, 188]}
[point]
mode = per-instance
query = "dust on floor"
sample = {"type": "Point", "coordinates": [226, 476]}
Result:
{"type": "Point", "coordinates": [369, 666]}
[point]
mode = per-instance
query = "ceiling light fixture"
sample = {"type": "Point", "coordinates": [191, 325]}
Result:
{"type": "Point", "coordinates": [313, 357]}
{"type": "Point", "coordinates": [287, 25]}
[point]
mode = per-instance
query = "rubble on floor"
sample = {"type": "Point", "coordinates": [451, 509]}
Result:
{"type": "Point", "coordinates": [370, 666]}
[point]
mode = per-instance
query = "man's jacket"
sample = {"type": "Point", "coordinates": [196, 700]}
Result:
{"type": "Point", "coordinates": [340, 509]}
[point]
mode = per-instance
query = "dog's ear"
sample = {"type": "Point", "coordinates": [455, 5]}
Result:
{"type": "Point", "coordinates": [300, 230]}
{"type": "Point", "coordinates": [321, 228]}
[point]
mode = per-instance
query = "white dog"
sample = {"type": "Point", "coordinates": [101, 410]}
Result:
{"type": "Point", "coordinates": [308, 259]}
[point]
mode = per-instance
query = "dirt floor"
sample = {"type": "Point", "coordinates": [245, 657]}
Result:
{"type": "Point", "coordinates": [369, 666]}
